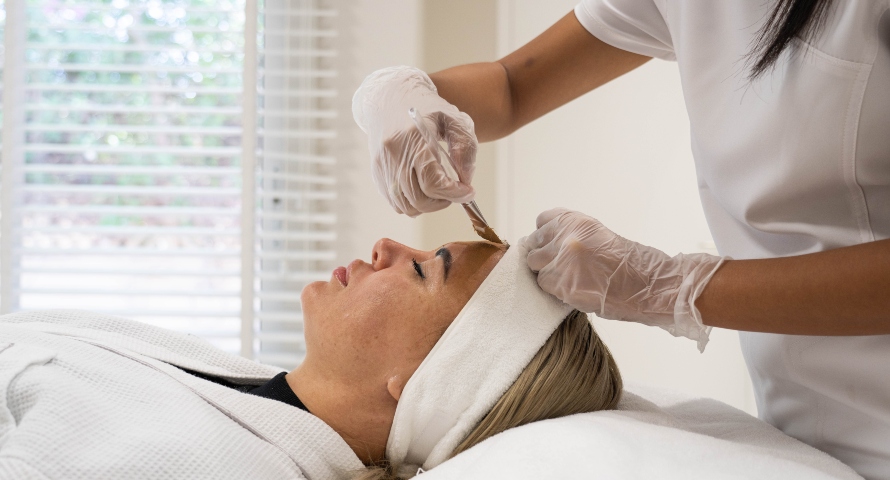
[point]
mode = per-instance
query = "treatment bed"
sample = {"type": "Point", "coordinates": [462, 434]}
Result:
{"type": "Point", "coordinates": [90, 396]}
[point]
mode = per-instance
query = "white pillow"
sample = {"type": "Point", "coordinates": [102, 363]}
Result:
{"type": "Point", "coordinates": [653, 435]}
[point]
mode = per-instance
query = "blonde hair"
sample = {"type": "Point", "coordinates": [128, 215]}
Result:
{"type": "Point", "coordinates": [573, 372]}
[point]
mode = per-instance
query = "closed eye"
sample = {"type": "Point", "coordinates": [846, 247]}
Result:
{"type": "Point", "coordinates": [418, 269]}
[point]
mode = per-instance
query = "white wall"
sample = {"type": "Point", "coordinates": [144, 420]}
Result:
{"type": "Point", "coordinates": [375, 34]}
{"type": "Point", "coordinates": [622, 155]}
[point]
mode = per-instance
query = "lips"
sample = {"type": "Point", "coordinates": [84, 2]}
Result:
{"type": "Point", "coordinates": [341, 275]}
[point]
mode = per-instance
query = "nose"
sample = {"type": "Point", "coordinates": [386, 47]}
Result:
{"type": "Point", "coordinates": [385, 253]}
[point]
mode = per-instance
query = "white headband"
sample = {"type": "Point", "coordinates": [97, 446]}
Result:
{"type": "Point", "coordinates": [477, 359]}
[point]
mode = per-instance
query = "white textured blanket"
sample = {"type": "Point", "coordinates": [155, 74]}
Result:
{"type": "Point", "coordinates": [96, 397]}
{"type": "Point", "coordinates": [662, 436]}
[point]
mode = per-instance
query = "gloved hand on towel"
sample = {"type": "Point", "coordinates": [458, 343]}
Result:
{"type": "Point", "coordinates": [404, 168]}
{"type": "Point", "coordinates": [586, 265]}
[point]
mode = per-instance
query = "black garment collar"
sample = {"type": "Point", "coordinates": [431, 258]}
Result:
{"type": "Point", "coordinates": [278, 389]}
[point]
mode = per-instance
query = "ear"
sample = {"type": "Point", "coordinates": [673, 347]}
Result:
{"type": "Point", "coordinates": [395, 385]}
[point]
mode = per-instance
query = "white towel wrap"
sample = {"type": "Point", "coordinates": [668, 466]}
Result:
{"type": "Point", "coordinates": [477, 359]}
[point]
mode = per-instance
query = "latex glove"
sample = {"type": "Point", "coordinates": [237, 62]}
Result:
{"type": "Point", "coordinates": [404, 168]}
{"type": "Point", "coordinates": [586, 265]}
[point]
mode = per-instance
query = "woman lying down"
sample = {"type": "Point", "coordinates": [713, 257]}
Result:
{"type": "Point", "coordinates": [410, 360]}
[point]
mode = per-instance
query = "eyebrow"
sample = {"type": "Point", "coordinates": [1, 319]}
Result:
{"type": "Point", "coordinates": [446, 260]}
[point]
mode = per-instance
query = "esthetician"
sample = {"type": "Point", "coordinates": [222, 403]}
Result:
{"type": "Point", "coordinates": [789, 106]}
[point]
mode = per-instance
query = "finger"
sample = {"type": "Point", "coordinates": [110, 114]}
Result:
{"type": "Point", "coordinates": [538, 259]}
{"type": "Point", "coordinates": [432, 175]}
{"type": "Point", "coordinates": [459, 131]}
{"type": "Point", "coordinates": [540, 237]}
{"type": "Point", "coordinates": [454, 191]}
{"type": "Point", "coordinates": [406, 191]}
{"type": "Point", "coordinates": [542, 258]}
{"type": "Point", "coordinates": [417, 197]}
{"type": "Point", "coordinates": [413, 206]}
{"type": "Point", "coordinates": [435, 183]}
{"type": "Point", "coordinates": [430, 205]}
{"type": "Point", "coordinates": [549, 282]}
{"type": "Point", "coordinates": [463, 156]}
{"type": "Point", "coordinates": [400, 203]}
{"type": "Point", "coordinates": [430, 134]}
{"type": "Point", "coordinates": [543, 247]}
{"type": "Point", "coordinates": [546, 216]}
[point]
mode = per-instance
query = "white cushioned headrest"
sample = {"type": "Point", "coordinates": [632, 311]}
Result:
{"type": "Point", "coordinates": [476, 360]}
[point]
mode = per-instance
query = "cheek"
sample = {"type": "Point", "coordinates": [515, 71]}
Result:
{"type": "Point", "coordinates": [418, 329]}
{"type": "Point", "coordinates": [372, 310]}
{"type": "Point", "coordinates": [426, 326]}
{"type": "Point", "coordinates": [377, 325]}
{"type": "Point", "coordinates": [350, 323]}
{"type": "Point", "coordinates": [390, 324]}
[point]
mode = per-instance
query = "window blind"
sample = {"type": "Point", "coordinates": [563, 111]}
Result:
{"type": "Point", "coordinates": [170, 161]}
{"type": "Point", "coordinates": [295, 178]}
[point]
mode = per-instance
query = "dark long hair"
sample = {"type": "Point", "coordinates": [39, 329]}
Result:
{"type": "Point", "coordinates": [789, 19]}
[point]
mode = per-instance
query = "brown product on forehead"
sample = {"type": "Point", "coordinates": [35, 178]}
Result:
{"type": "Point", "coordinates": [473, 264]}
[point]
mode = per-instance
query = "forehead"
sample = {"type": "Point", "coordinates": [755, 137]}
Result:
{"type": "Point", "coordinates": [472, 262]}
{"type": "Point", "coordinates": [476, 251]}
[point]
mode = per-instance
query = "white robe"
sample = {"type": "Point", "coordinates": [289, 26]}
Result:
{"type": "Point", "coordinates": [91, 396]}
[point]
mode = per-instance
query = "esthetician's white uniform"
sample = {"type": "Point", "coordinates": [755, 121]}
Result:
{"type": "Point", "coordinates": [793, 163]}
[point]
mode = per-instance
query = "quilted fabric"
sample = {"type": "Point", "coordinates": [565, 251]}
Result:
{"type": "Point", "coordinates": [91, 396]}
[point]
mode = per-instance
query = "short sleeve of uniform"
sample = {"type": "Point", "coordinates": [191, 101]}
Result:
{"type": "Point", "coordinates": [638, 26]}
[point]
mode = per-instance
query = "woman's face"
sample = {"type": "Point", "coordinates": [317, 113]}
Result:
{"type": "Point", "coordinates": [372, 321]}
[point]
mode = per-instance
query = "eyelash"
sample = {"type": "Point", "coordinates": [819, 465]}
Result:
{"type": "Point", "coordinates": [418, 269]}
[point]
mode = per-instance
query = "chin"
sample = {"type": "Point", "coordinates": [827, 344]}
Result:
{"type": "Point", "coordinates": [310, 294]}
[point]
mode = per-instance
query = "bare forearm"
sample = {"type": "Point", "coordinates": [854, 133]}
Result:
{"type": "Point", "coordinates": [845, 291]}
{"type": "Point", "coordinates": [482, 91]}
{"type": "Point", "coordinates": [559, 65]}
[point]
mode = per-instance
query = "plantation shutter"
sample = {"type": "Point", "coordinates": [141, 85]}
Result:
{"type": "Point", "coordinates": [169, 161]}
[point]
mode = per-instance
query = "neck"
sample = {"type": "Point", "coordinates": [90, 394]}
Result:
{"type": "Point", "coordinates": [361, 414]}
